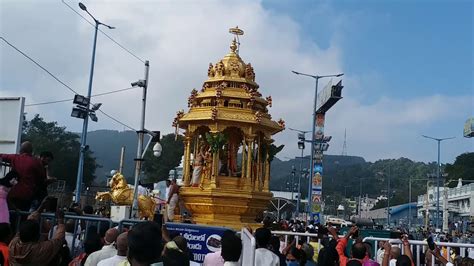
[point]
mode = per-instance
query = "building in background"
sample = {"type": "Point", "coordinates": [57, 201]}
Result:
{"type": "Point", "coordinates": [455, 202]}
{"type": "Point", "coordinates": [398, 215]}
{"type": "Point", "coordinates": [366, 204]}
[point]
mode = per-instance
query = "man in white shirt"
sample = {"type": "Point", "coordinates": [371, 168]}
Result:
{"type": "Point", "coordinates": [122, 246]}
{"type": "Point", "coordinates": [107, 251]}
{"type": "Point", "coordinates": [263, 256]}
{"type": "Point", "coordinates": [167, 193]}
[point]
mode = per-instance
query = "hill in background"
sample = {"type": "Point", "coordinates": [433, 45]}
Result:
{"type": "Point", "coordinates": [342, 176]}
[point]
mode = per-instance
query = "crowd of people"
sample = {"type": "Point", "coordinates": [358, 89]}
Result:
{"type": "Point", "coordinates": [71, 242]}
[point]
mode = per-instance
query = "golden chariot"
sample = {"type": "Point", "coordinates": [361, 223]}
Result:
{"type": "Point", "coordinates": [227, 145]}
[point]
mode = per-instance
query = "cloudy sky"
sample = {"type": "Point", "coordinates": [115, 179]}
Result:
{"type": "Point", "coordinates": [408, 64]}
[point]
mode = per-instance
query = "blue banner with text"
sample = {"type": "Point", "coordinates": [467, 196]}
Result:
{"type": "Point", "coordinates": [201, 239]}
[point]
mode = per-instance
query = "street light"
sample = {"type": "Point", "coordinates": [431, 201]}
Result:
{"type": "Point", "coordinates": [301, 146]}
{"type": "Point", "coordinates": [360, 195]}
{"type": "Point", "coordinates": [80, 169]}
{"type": "Point", "coordinates": [316, 78]}
{"type": "Point", "coordinates": [388, 193]}
{"type": "Point", "coordinates": [438, 175]}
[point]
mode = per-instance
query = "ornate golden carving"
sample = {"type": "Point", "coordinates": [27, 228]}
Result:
{"type": "Point", "coordinates": [269, 100]}
{"type": "Point", "coordinates": [258, 116]}
{"type": "Point", "coordinates": [219, 69]}
{"type": "Point", "coordinates": [214, 113]}
{"type": "Point", "coordinates": [210, 71]}
{"type": "Point", "coordinates": [178, 116]}
{"type": "Point", "coordinates": [281, 122]}
{"type": "Point", "coordinates": [192, 98]}
{"type": "Point", "coordinates": [249, 73]}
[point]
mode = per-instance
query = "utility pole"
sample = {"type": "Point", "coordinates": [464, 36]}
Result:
{"type": "Point", "coordinates": [360, 196]}
{"type": "Point", "coordinates": [84, 148]}
{"type": "Point", "coordinates": [438, 175]}
{"type": "Point", "coordinates": [301, 146]}
{"type": "Point", "coordinates": [122, 158]}
{"type": "Point", "coordinates": [409, 204]}
{"type": "Point", "coordinates": [141, 133]}
{"type": "Point", "coordinates": [388, 197]}
{"type": "Point", "coordinates": [334, 94]}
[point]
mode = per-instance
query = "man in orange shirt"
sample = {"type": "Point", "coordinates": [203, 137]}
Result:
{"type": "Point", "coordinates": [5, 234]}
{"type": "Point", "coordinates": [358, 250]}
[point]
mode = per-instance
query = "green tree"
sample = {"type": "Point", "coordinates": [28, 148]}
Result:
{"type": "Point", "coordinates": [157, 169]}
{"type": "Point", "coordinates": [463, 167]}
{"type": "Point", "coordinates": [65, 145]}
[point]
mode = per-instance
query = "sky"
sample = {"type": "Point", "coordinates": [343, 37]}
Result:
{"type": "Point", "coordinates": [408, 65]}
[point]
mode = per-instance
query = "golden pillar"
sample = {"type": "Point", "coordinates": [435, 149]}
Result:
{"type": "Point", "coordinates": [259, 178]}
{"type": "Point", "coordinates": [243, 164]}
{"type": "Point", "coordinates": [250, 145]}
{"type": "Point", "coordinates": [266, 184]}
{"type": "Point", "coordinates": [187, 160]}
{"type": "Point", "coordinates": [215, 169]}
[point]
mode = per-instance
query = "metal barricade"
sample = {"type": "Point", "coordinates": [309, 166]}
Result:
{"type": "Point", "coordinates": [419, 246]}
{"type": "Point", "coordinates": [82, 225]}
{"type": "Point", "coordinates": [297, 237]}
{"type": "Point", "coordinates": [248, 247]}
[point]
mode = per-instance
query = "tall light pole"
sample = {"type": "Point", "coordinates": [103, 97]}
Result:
{"type": "Point", "coordinates": [301, 146]}
{"type": "Point", "coordinates": [84, 148]}
{"type": "Point", "coordinates": [313, 132]}
{"type": "Point", "coordinates": [438, 175]}
{"type": "Point", "coordinates": [388, 192]}
{"type": "Point", "coordinates": [360, 196]}
{"type": "Point", "coordinates": [409, 198]}
{"type": "Point", "coordinates": [292, 181]}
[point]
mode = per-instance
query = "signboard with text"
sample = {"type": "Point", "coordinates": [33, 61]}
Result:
{"type": "Point", "coordinates": [328, 96]}
{"type": "Point", "coordinates": [317, 178]}
{"type": "Point", "coordinates": [201, 239]}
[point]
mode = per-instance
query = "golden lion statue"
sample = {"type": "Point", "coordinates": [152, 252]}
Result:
{"type": "Point", "coordinates": [121, 194]}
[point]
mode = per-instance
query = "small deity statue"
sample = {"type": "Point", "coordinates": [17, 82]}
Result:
{"type": "Point", "coordinates": [120, 193]}
{"type": "Point", "coordinates": [207, 167]}
{"type": "Point", "coordinates": [197, 167]}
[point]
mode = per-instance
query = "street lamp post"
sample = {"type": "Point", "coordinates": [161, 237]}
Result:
{"type": "Point", "coordinates": [409, 204]}
{"type": "Point", "coordinates": [438, 175]}
{"type": "Point", "coordinates": [313, 137]}
{"type": "Point", "coordinates": [388, 192]}
{"type": "Point", "coordinates": [83, 148]}
{"type": "Point", "coordinates": [301, 146]}
{"type": "Point", "coordinates": [292, 185]}
{"type": "Point", "coordinates": [360, 196]}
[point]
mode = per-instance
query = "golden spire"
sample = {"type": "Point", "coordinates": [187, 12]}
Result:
{"type": "Point", "coordinates": [234, 47]}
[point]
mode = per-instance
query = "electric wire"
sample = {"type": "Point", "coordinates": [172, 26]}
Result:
{"type": "Point", "coordinates": [37, 64]}
{"type": "Point", "coordinates": [116, 120]}
{"type": "Point", "coordinates": [106, 35]}
{"type": "Point", "coordinates": [66, 100]}
{"type": "Point", "coordinates": [64, 84]}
